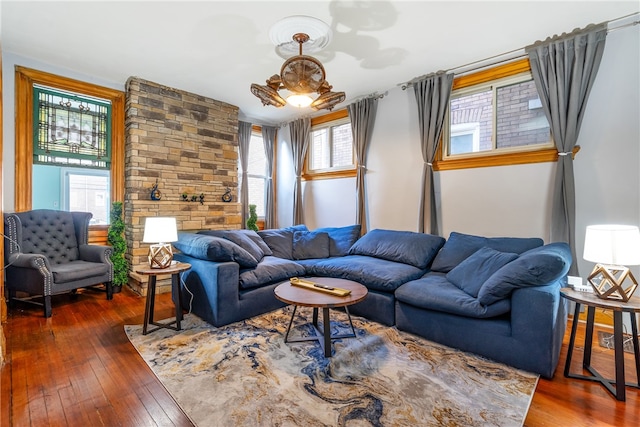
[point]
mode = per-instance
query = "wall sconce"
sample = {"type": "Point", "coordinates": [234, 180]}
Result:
{"type": "Point", "coordinates": [160, 231]}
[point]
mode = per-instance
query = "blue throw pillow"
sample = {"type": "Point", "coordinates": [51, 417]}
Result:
{"type": "Point", "coordinates": [214, 248]}
{"type": "Point", "coordinates": [341, 238]}
{"type": "Point", "coordinates": [461, 246]}
{"type": "Point", "coordinates": [407, 247]}
{"type": "Point", "coordinates": [310, 245]}
{"type": "Point", "coordinates": [536, 267]}
{"type": "Point", "coordinates": [280, 240]}
{"type": "Point", "coordinates": [242, 238]}
{"type": "Point", "coordinates": [471, 273]}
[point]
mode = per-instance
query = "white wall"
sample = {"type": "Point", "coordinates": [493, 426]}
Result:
{"type": "Point", "coordinates": [9, 62]}
{"type": "Point", "coordinates": [496, 201]}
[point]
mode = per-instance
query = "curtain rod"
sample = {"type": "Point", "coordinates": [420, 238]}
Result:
{"type": "Point", "coordinates": [481, 63]}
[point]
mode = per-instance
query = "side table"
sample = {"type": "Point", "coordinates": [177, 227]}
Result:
{"type": "Point", "coordinates": [591, 301]}
{"type": "Point", "coordinates": [174, 270]}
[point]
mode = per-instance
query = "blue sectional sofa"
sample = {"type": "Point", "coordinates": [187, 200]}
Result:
{"type": "Point", "coordinates": [496, 297]}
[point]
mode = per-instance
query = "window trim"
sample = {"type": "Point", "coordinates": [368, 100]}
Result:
{"type": "Point", "coordinates": [310, 175]}
{"type": "Point", "coordinates": [25, 79]}
{"type": "Point", "coordinates": [493, 158]}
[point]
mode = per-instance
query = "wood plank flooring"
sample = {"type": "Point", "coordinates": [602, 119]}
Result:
{"type": "Point", "coordinates": [78, 368]}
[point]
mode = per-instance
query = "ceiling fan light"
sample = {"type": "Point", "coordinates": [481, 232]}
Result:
{"type": "Point", "coordinates": [299, 100]}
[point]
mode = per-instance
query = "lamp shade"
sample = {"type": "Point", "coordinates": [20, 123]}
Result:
{"type": "Point", "coordinates": [160, 230]}
{"type": "Point", "coordinates": [612, 244]}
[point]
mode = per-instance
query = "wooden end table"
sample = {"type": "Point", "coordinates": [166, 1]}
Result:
{"type": "Point", "coordinates": [174, 270]}
{"type": "Point", "coordinates": [591, 301]}
{"type": "Point", "coordinates": [298, 296]}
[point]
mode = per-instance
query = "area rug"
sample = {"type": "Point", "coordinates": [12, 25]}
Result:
{"type": "Point", "coordinates": [244, 374]}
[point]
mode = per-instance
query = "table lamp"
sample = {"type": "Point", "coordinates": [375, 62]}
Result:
{"type": "Point", "coordinates": [160, 231]}
{"type": "Point", "coordinates": [612, 247]}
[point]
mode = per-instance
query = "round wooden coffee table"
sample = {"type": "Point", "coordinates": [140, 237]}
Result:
{"type": "Point", "coordinates": [298, 296]}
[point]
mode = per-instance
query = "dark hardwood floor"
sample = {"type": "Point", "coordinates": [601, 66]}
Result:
{"type": "Point", "coordinates": [77, 368]}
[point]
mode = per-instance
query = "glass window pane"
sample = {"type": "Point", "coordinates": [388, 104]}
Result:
{"type": "Point", "coordinates": [89, 193]}
{"type": "Point", "coordinates": [520, 118]}
{"type": "Point", "coordinates": [473, 111]}
{"type": "Point", "coordinates": [256, 194]}
{"type": "Point", "coordinates": [257, 164]}
{"type": "Point", "coordinates": [342, 143]}
{"type": "Point", "coordinates": [320, 153]}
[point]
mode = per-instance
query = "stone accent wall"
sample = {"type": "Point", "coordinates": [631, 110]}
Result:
{"type": "Point", "coordinates": [187, 143]}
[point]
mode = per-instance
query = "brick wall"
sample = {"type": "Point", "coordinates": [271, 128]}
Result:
{"type": "Point", "coordinates": [187, 144]}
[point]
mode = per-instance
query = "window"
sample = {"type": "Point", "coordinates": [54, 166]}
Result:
{"type": "Point", "coordinates": [71, 130]}
{"type": "Point", "coordinates": [495, 117]}
{"type": "Point", "coordinates": [330, 153]}
{"type": "Point", "coordinates": [256, 172]}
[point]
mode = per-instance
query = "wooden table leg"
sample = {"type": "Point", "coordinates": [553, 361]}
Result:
{"type": "Point", "coordinates": [149, 304]}
{"type": "Point", "coordinates": [572, 340]}
{"type": "Point", "coordinates": [327, 331]}
{"type": "Point", "coordinates": [619, 355]}
{"type": "Point", "coordinates": [175, 286]}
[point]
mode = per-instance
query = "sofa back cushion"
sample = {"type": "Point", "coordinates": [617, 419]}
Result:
{"type": "Point", "coordinates": [471, 273]}
{"type": "Point", "coordinates": [280, 240]}
{"type": "Point", "coordinates": [214, 248]}
{"type": "Point", "coordinates": [341, 238]}
{"type": "Point", "coordinates": [536, 267]}
{"type": "Point", "coordinates": [310, 244]}
{"type": "Point", "coordinates": [461, 246]}
{"type": "Point", "coordinates": [407, 247]}
{"type": "Point", "coordinates": [50, 233]}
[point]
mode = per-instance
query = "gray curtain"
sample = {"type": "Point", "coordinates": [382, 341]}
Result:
{"type": "Point", "coordinates": [244, 137]}
{"type": "Point", "coordinates": [269, 139]}
{"type": "Point", "coordinates": [299, 130]}
{"type": "Point", "coordinates": [564, 68]}
{"type": "Point", "coordinates": [432, 95]}
{"type": "Point", "coordinates": [362, 115]}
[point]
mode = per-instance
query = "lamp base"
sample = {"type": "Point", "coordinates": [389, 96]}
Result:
{"type": "Point", "coordinates": [613, 282]}
{"type": "Point", "coordinates": [160, 255]}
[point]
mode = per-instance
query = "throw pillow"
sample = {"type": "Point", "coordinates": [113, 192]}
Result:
{"type": "Point", "coordinates": [341, 238]}
{"type": "Point", "coordinates": [213, 248]}
{"type": "Point", "coordinates": [240, 238]}
{"type": "Point", "coordinates": [471, 273]}
{"type": "Point", "coordinates": [280, 240]}
{"type": "Point", "coordinates": [407, 247]}
{"type": "Point", "coordinates": [536, 267]}
{"type": "Point", "coordinates": [461, 246]}
{"type": "Point", "coordinates": [310, 245]}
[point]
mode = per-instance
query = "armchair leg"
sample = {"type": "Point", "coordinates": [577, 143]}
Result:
{"type": "Point", "coordinates": [109, 286]}
{"type": "Point", "coordinates": [47, 305]}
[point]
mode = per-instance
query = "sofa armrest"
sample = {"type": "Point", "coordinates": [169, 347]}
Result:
{"type": "Point", "coordinates": [96, 253]}
{"type": "Point", "coordinates": [34, 261]}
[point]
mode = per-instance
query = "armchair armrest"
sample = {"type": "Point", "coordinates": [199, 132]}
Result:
{"type": "Point", "coordinates": [35, 261]}
{"type": "Point", "coordinates": [96, 253]}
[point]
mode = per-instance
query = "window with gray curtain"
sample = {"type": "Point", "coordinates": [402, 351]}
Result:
{"type": "Point", "coordinates": [432, 95]}
{"type": "Point", "coordinates": [362, 115]}
{"type": "Point", "coordinates": [269, 139]}
{"type": "Point", "coordinates": [299, 131]}
{"type": "Point", "coordinates": [564, 69]}
{"type": "Point", "coordinates": [244, 138]}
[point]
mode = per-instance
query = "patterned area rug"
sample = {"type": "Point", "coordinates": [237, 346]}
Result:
{"type": "Point", "coordinates": [244, 374]}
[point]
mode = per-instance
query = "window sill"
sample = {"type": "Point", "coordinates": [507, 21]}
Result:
{"type": "Point", "coordinates": [517, 158]}
{"type": "Point", "coordinates": [345, 173]}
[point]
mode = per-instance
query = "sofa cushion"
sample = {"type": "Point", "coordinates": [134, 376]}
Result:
{"type": "Point", "coordinates": [341, 238]}
{"type": "Point", "coordinates": [435, 292]}
{"type": "Point", "coordinates": [76, 270]}
{"type": "Point", "coordinates": [244, 239]}
{"type": "Point", "coordinates": [535, 267]}
{"type": "Point", "coordinates": [471, 273]}
{"type": "Point", "coordinates": [461, 246]}
{"type": "Point", "coordinates": [213, 248]}
{"type": "Point", "coordinates": [374, 273]}
{"type": "Point", "coordinates": [280, 240]}
{"type": "Point", "coordinates": [407, 247]}
{"type": "Point", "coordinates": [270, 270]}
{"type": "Point", "coordinates": [310, 244]}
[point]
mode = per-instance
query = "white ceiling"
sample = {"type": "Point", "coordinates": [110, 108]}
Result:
{"type": "Point", "coordinates": [218, 48]}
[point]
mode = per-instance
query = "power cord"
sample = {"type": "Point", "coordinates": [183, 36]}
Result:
{"type": "Point", "coordinates": [187, 289]}
{"type": "Point", "coordinates": [15, 243]}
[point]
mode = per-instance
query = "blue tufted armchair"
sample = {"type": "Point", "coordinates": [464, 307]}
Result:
{"type": "Point", "coordinates": [46, 253]}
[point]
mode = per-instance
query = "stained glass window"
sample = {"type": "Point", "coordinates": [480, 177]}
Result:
{"type": "Point", "coordinates": [71, 130]}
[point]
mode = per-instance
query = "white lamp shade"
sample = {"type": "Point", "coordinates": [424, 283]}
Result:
{"type": "Point", "coordinates": [612, 244]}
{"type": "Point", "coordinates": [160, 230]}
